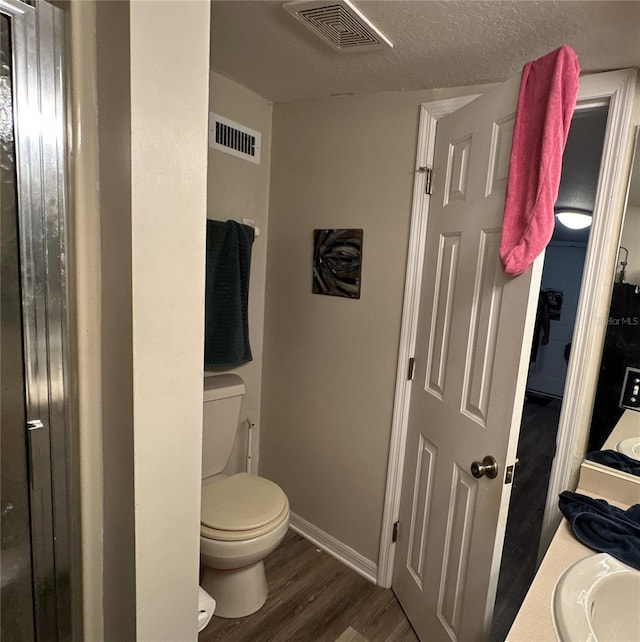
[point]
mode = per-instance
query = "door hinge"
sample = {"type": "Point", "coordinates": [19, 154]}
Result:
{"type": "Point", "coordinates": [411, 369]}
{"type": "Point", "coordinates": [394, 534]}
{"type": "Point", "coordinates": [428, 171]}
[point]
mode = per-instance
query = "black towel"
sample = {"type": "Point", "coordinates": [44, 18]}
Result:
{"type": "Point", "coordinates": [603, 527]}
{"type": "Point", "coordinates": [226, 323]}
{"type": "Point", "coordinates": [614, 459]}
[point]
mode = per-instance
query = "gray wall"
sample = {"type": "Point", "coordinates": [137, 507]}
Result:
{"type": "Point", "coordinates": [84, 274]}
{"type": "Point", "coordinates": [330, 363]}
{"type": "Point", "coordinates": [169, 108]}
{"type": "Point", "coordinates": [631, 238]}
{"type": "Point", "coordinates": [114, 101]}
{"type": "Point", "coordinates": [140, 160]}
{"type": "Point", "coordinates": [238, 188]}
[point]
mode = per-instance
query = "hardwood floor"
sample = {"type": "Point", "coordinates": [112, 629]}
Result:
{"type": "Point", "coordinates": [315, 598]}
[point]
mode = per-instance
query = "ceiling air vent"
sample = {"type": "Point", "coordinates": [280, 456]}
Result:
{"type": "Point", "coordinates": [233, 138]}
{"type": "Point", "coordinates": [340, 24]}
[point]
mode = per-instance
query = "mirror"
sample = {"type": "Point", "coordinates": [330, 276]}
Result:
{"type": "Point", "coordinates": [614, 428]}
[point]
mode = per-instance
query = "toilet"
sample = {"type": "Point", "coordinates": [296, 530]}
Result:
{"type": "Point", "coordinates": [243, 517]}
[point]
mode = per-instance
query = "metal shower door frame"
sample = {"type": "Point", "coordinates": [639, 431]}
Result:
{"type": "Point", "coordinates": [37, 34]}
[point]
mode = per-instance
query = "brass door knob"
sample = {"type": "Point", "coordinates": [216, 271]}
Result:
{"type": "Point", "coordinates": [488, 467]}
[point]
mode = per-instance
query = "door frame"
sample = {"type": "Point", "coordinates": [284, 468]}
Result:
{"type": "Point", "coordinates": [616, 88]}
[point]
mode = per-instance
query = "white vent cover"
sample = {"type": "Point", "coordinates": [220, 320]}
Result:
{"type": "Point", "coordinates": [233, 138]}
{"type": "Point", "coordinates": [338, 23]}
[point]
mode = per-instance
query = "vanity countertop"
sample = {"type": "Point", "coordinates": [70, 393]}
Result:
{"type": "Point", "coordinates": [534, 622]}
{"type": "Point", "coordinates": [627, 426]}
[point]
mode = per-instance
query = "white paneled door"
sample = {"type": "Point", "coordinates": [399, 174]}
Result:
{"type": "Point", "coordinates": [471, 357]}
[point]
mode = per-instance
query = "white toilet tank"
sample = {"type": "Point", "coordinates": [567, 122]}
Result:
{"type": "Point", "coordinates": [222, 400]}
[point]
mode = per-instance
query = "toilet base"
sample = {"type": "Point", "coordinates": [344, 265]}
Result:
{"type": "Point", "coordinates": [237, 593]}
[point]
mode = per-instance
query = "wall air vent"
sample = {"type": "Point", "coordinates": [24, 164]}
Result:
{"type": "Point", "coordinates": [339, 23]}
{"type": "Point", "coordinates": [233, 138]}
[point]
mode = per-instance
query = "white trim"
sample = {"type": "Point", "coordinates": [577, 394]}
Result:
{"type": "Point", "coordinates": [329, 544]}
{"type": "Point", "coordinates": [597, 282]}
{"type": "Point", "coordinates": [429, 115]}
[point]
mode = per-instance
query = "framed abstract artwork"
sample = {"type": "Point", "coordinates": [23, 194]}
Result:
{"type": "Point", "coordinates": [337, 262]}
{"type": "Point", "coordinates": [555, 299]}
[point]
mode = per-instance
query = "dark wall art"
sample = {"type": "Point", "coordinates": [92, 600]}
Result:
{"type": "Point", "coordinates": [555, 299]}
{"type": "Point", "coordinates": [337, 261]}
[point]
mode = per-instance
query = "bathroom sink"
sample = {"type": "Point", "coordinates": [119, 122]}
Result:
{"type": "Point", "coordinates": [596, 600]}
{"type": "Point", "coordinates": [630, 447]}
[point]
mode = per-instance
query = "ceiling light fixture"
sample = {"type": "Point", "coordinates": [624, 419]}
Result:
{"type": "Point", "coordinates": [574, 219]}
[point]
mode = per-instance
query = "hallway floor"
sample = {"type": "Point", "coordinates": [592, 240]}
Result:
{"type": "Point", "coordinates": [315, 598]}
{"type": "Point", "coordinates": [536, 449]}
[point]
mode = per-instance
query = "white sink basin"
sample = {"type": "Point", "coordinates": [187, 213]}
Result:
{"type": "Point", "coordinates": [597, 600]}
{"type": "Point", "coordinates": [630, 447]}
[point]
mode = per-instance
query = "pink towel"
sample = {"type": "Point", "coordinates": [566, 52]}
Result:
{"type": "Point", "coordinates": [547, 98]}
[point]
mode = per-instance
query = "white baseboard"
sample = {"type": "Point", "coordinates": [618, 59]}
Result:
{"type": "Point", "coordinates": [343, 553]}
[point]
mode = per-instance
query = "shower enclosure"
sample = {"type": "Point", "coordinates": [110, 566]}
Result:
{"type": "Point", "coordinates": [35, 420]}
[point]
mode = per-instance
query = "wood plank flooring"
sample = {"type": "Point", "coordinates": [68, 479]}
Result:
{"type": "Point", "coordinates": [315, 598]}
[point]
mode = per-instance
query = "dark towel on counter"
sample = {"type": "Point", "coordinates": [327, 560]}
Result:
{"type": "Point", "coordinates": [614, 459]}
{"type": "Point", "coordinates": [603, 527]}
{"type": "Point", "coordinates": [226, 324]}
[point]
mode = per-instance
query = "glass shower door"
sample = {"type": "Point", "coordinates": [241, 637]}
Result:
{"type": "Point", "coordinates": [16, 571]}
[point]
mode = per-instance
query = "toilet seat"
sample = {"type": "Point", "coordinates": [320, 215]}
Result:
{"type": "Point", "coordinates": [241, 507]}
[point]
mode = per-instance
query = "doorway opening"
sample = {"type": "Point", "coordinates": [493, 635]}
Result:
{"type": "Point", "coordinates": [615, 92]}
{"type": "Point", "coordinates": [550, 354]}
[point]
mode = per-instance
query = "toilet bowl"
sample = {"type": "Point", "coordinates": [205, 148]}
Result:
{"type": "Point", "coordinates": [243, 519]}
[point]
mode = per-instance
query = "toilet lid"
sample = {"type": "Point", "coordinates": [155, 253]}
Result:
{"type": "Point", "coordinates": [241, 502]}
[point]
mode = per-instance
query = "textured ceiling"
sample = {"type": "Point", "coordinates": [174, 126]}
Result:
{"type": "Point", "coordinates": [437, 44]}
